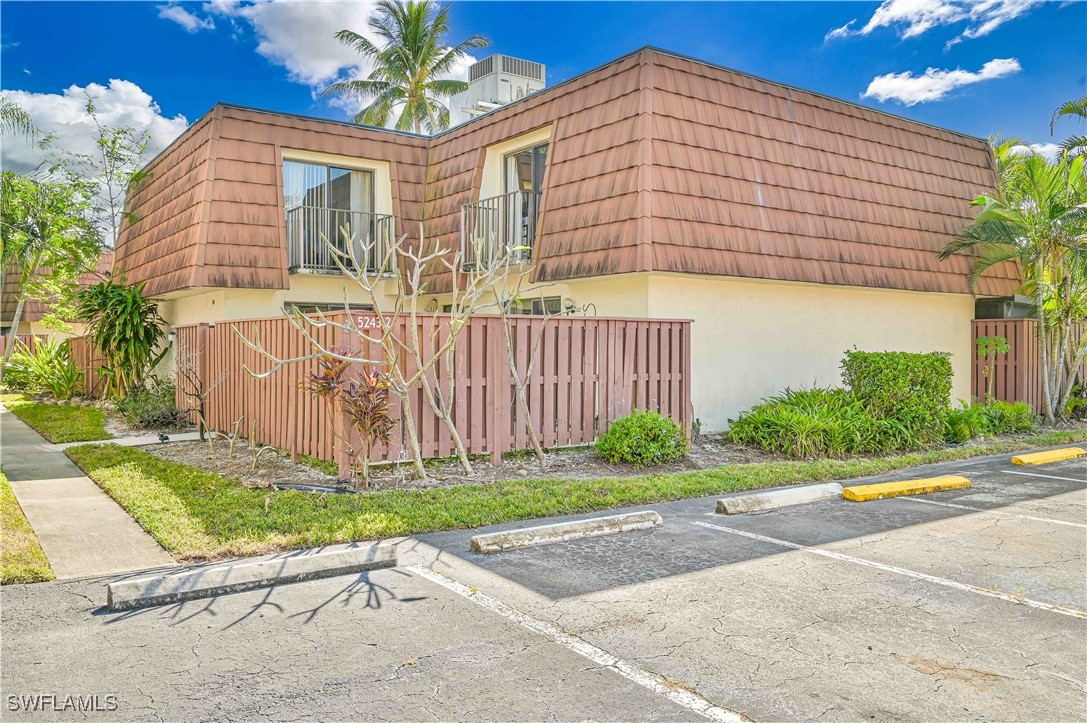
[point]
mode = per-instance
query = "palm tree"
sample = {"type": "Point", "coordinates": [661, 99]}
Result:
{"type": "Point", "coordinates": [46, 240]}
{"type": "Point", "coordinates": [1038, 218]}
{"type": "Point", "coordinates": [408, 67]}
{"type": "Point", "coordinates": [13, 119]}
{"type": "Point", "coordinates": [1073, 145]}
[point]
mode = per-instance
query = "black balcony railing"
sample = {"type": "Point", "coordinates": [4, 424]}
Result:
{"type": "Point", "coordinates": [500, 228]}
{"type": "Point", "coordinates": [310, 231]}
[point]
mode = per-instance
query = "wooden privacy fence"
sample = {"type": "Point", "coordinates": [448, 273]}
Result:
{"type": "Point", "coordinates": [87, 358]}
{"type": "Point", "coordinates": [1017, 375]}
{"type": "Point", "coordinates": [29, 340]}
{"type": "Point", "coordinates": [588, 372]}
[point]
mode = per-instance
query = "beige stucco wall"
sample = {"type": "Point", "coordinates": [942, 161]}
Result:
{"type": "Point", "coordinates": [215, 305]}
{"type": "Point", "coordinates": [751, 338]}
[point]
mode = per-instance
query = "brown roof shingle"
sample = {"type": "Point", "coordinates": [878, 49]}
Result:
{"type": "Point", "coordinates": [657, 163]}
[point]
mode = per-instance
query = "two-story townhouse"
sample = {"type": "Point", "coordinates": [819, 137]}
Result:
{"type": "Point", "coordinates": [788, 225]}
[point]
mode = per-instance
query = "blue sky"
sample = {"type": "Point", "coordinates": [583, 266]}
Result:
{"type": "Point", "coordinates": [998, 66]}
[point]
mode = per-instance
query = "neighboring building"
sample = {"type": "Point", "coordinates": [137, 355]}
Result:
{"type": "Point", "coordinates": [789, 226]}
{"type": "Point", "coordinates": [30, 321]}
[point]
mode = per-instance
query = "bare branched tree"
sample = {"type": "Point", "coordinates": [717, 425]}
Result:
{"type": "Point", "coordinates": [393, 337]}
{"type": "Point", "coordinates": [191, 385]}
{"type": "Point", "coordinates": [512, 295]}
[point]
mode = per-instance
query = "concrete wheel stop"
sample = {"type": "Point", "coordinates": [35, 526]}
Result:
{"type": "Point", "coordinates": [774, 499]}
{"type": "Point", "coordinates": [242, 575]}
{"type": "Point", "coordinates": [563, 531]}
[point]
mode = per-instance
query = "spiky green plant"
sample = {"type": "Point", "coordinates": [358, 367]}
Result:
{"type": "Point", "coordinates": [126, 331]}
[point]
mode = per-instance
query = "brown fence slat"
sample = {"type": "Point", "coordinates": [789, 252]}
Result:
{"type": "Point", "coordinates": [1017, 375]}
{"type": "Point", "coordinates": [588, 371]}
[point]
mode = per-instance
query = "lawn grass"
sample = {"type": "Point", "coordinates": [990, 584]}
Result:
{"type": "Point", "coordinates": [21, 557]}
{"type": "Point", "coordinates": [58, 422]}
{"type": "Point", "coordinates": [201, 515]}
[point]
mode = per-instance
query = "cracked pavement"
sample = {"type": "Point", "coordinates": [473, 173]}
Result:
{"type": "Point", "coordinates": [783, 634]}
{"type": "Point", "coordinates": [386, 645]}
{"type": "Point", "coordinates": [772, 632]}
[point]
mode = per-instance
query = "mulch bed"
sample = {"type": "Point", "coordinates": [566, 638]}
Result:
{"type": "Point", "coordinates": [272, 468]}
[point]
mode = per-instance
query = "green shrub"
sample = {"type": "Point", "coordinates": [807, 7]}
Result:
{"type": "Point", "coordinates": [819, 423]}
{"type": "Point", "coordinates": [47, 367]}
{"type": "Point", "coordinates": [994, 418]}
{"type": "Point", "coordinates": [153, 406]}
{"type": "Point", "coordinates": [644, 438]}
{"type": "Point", "coordinates": [912, 389]}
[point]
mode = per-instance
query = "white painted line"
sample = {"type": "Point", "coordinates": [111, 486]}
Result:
{"type": "Point", "coordinates": [901, 571]}
{"type": "Point", "coordinates": [1047, 476]}
{"type": "Point", "coordinates": [651, 681]}
{"type": "Point", "coordinates": [1000, 513]}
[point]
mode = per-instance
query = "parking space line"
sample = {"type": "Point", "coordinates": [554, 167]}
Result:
{"type": "Point", "coordinates": [1047, 476]}
{"type": "Point", "coordinates": [1001, 513]}
{"type": "Point", "coordinates": [651, 681]}
{"type": "Point", "coordinates": [900, 571]}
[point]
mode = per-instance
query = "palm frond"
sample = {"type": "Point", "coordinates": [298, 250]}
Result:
{"type": "Point", "coordinates": [1073, 108]}
{"type": "Point", "coordinates": [1074, 146]}
{"type": "Point", "coordinates": [411, 56]}
{"type": "Point", "coordinates": [359, 43]}
{"type": "Point", "coordinates": [446, 88]}
{"type": "Point", "coordinates": [14, 119]}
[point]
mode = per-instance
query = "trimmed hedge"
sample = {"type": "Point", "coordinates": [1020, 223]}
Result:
{"type": "Point", "coordinates": [894, 401]}
{"type": "Point", "coordinates": [643, 438]}
{"type": "Point", "coordinates": [912, 389]}
{"type": "Point", "coordinates": [819, 423]}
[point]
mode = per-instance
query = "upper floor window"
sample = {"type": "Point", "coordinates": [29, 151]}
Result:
{"type": "Point", "coordinates": [317, 186]}
{"type": "Point", "coordinates": [503, 223]}
{"type": "Point", "coordinates": [525, 169]}
{"type": "Point", "coordinates": [330, 209]}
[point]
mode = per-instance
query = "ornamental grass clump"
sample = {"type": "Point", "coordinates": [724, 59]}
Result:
{"type": "Point", "coordinates": [643, 438]}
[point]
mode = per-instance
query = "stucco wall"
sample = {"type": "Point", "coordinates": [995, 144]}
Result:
{"type": "Point", "coordinates": [751, 339]}
{"type": "Point", "coordinates": [215, 305]}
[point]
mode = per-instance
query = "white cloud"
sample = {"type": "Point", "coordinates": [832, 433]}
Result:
{"type": "Point", "coordinates": [1050, 150]}
{"type": "Point", "coordinates": [63, 115]}
{"type": "Point", "coordinates": [300, 37]}
{"type": "Point", "coordinates": [121, 103]}
{"type": "Point", "coordinates": [911, 18]}
{"type": "Point", "coordinates": [184, 18]}
{"type": "Point", "coordinates": [934, 84]}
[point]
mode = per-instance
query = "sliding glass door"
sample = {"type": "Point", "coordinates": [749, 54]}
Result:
{"type": "Point", "coordinates": [524, 173]}
{"type": "Point", "coordinates": [327, 202]}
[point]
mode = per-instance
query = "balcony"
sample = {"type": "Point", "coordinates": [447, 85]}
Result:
{"type": "Point", "coordinates": [367, 235]}
{"type": "Point", "coordinates": [501, 228]}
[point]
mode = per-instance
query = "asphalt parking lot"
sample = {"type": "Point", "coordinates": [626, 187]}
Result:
{"type": "Point", "coordinates": [952, 606]}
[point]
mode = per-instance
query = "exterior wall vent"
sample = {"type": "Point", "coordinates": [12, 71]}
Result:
{"type": "Point", "coordinates": [482, 68]}
{"type": "Point", "coordinates": [525, 68]}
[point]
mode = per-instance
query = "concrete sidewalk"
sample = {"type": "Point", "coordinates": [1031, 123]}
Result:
{"type": "Point", "coordinates": [144, 440]}
{"type": "Point", "coordinates": [82, 531]}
